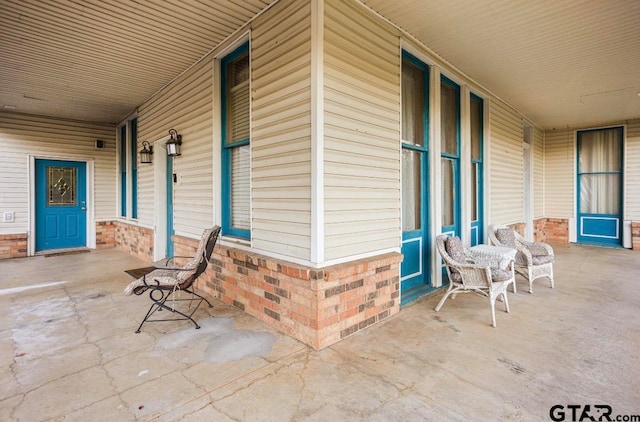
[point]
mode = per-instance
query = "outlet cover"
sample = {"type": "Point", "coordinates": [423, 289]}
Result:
{"type": "Point", "coordinates": [8, 217]}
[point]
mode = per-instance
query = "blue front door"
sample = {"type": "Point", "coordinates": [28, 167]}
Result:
{"type": "Point", "coordinates": [416, 247]}
{"type": "Point", "coordinates": [61, 204]}
{"type": "Point", "coordinates": [600, 186]}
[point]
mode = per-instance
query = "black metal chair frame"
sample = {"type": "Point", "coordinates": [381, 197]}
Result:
{"type": "Point", "coordinates": [159, 293]}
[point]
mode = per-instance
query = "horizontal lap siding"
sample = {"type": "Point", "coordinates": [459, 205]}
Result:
{"type": "Point", "coordinates": [538, 173]}
{"type": "Point", "coordinates": [186, 105]}
{"type": "Point", "coordinates": [632, 172]}
{"type": "Point", "coordinates": [559, 174]}
{"type": "Point", "coordinates": [22, 135]}
{"type": "Point", "coordinates": [362, 132]}
{"type": "Point", "coordinates": [281, 130]}
{"type": "Point", "coordinates": [506, 164]}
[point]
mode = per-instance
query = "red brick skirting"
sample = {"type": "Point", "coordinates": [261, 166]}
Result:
{"type": "Point", "coordinates": [540, 230]}
{"type": "Point", "coordinates": [13, 245]}
{"type": "Point", "coordinates": [557, 230]}
{"type": "Point", "coordinates": [105, 234]}
{"type": "Point", "coordinates": [635, 235]}
{"type": "Point", "coordinates": [135, 240]}
{"type": "Point", "coordinates": [316, 306]}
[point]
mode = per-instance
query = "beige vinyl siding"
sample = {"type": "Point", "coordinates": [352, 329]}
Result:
{"type": "Point", "coordinates": [506, 165]}
{"type": "Point", "coordinates": [23, 135]}
{"type": "Point", "coordinates": [559, 174]}
{"type": "Point", "coordinates": [281, 130]}
{"type": "Point", "coordinates": [186, 105]}
{"type": "Point", "coordinates": [362, 132]}
{"type": "Point", "coordinates": [632, 171]}
{"type": "Point", "coordinates": [538, 173]}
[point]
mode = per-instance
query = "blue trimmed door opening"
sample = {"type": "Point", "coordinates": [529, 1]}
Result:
{"type": "Point", "coordinates": [477, 172]}
{"type": "Point", "coordinates": [60, 204]}
{"type": "Point", "coordinates": [170, 228]}
{"type": "Point", "coordinates": [416, 247]}
{"type": "Point", "coordinates": [450, 156]}
{"type": "Point", "coordinates": [599, 184]}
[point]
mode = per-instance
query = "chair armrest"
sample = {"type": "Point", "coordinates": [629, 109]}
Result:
{"type": "Point", "coordinates": [170, 263]}
{"type": "Point", "coordinates": [536, 248]}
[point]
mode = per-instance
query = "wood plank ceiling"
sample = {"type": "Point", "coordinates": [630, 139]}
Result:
{"type": "Point", "coordinates": [98, 60]}
{"type": "Point", "coordinates": [560, 63]}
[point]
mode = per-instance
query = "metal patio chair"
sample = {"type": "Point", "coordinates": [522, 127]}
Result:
{"type": "Point", "coordinates": [465, 276]}
{"type": "Point", "coordinates": [169, 278]}
{"type": "Point", "coordinates": [533, 260]}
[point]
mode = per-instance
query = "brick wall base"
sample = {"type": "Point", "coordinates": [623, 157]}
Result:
{"type": "Point", "coordinates": [105, 234]}
{"type": "Point", "coordinates": [519, 227]}
{"type": "Point", "coordinates": [13, 245]}
{"type": "Point", "coordinates": [557, 230]}
{"type": "Point", "coordinates": [135, 240]}
{"type": "Point", "coordinates": [316, 306]}
{"type": "Point", "coordinates": [547, 230]}
{"type": "Point", "coordinates": [540, 230]}
{"type": "Point", "coordinates": [635, 235]}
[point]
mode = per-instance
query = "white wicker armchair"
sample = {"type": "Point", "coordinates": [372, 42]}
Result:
{"type": "Point", "coordinates": [465, 276]}
{"type": "Point", "coordinates": [533, 260]}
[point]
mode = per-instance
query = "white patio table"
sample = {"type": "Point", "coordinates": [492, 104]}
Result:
{"type": "Point", "coordinates": [493, 256]}
{"type": "Point", "coordinates": [496, 257]}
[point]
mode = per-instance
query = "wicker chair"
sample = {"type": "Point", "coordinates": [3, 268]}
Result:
{"type": "Point", "coordinates": [465, 276]}
{"type": "Point", "coordinates": [533, 260]}
{"type": "Point", "coordinates": [170, 278]}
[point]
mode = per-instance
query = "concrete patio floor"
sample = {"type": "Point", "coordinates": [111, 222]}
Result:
{"type": "Point", "coordinates": [68, 351]}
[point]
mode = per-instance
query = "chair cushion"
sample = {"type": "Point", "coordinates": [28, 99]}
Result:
{"type": "Point", "coordinates": [156, 277]}
{"type": "Point", "coordinates": [537, 249]}
{"type": "Point", "coordinates": [541, 259]}
{"type": "Point", "coordinates": [506, 237]}
{"type": "Point", "coordinates": [453, 246]}
{"type": "Point", "coordinates": [500, 275]}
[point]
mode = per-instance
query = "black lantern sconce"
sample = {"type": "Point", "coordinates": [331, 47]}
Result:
{"type": "Point", "coordinates": [146, 153]}
{"type": "Point", "coordinates": [173, 144]}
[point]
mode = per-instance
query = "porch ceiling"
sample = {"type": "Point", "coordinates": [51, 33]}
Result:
{"type": "Point", "coordinates": [98, 60]}
{"type": "Point", "coordinates": [560, 63]}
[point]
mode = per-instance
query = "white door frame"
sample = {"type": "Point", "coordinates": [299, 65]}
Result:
{"type": "Point", "coordinates": [160, 195]}
{"type": "Point", "coordinates": [90, 220]}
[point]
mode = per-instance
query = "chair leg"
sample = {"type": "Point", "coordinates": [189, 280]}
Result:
{"type": "Point", "coordinates": [149, 313]}
{"type": "Point", "coordinates": [449, 291]}
{"type": "Point", "coordinates": [529, 271]}
{"type": "Point", "coordinates": [505, 300]}
{"type": "Point", "coordinates": [159, 305]}
{"type": "Point", "coordinates": [551, 277]}
{"type": "Point", "coordinates": [492, 303]}
{"type": "Point", "coordinates": [201, 297]}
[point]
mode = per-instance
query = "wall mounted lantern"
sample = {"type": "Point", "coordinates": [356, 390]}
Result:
{"type": "Point", "coordinates": [146, 153]}
{"type": "Point", "coordinates": [173, 144]}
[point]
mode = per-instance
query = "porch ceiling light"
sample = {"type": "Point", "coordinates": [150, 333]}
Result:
{"type": "Point", "coordinates": [146, 153]}
{"type": "Point", "coordinates": [173, 144]}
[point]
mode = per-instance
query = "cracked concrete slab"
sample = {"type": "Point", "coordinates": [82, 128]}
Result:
{"type": "Point", "coordinates": [69, 352]}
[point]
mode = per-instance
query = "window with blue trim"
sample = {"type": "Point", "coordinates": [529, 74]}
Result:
{"type": "Point", "coordinates": [477, 180]}
{"type": "Point", "coordinates": [133, 130]}
{"type": "Point", "coordinates": [127, 161]}
{"type": "Point", "coordinates": [450, 155]}
{"type": "Point", "coordinates": [236, 150]}
{"type": "Point", "coordinates": [123, 170]}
